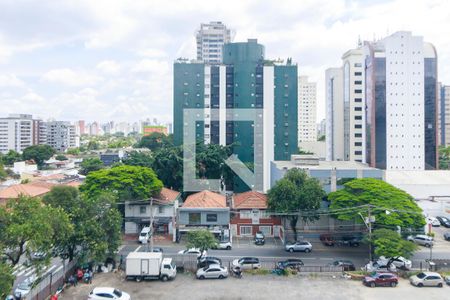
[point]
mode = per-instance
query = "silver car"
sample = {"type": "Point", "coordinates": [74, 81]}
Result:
{"type": "Point", "coordinates": [423, 240]}
{"type": "Point", "coordinates": [212, 271]}
{"type": "Point", "coordinates": [299, 246]}
{"type": "Point", "coordinates": [427, 279]}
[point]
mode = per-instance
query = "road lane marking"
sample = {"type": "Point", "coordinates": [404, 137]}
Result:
{"type": "Point", "coordinates": [24, 271]}
{"type": "Point", "coordinates": [50, 269]}
{"type": "Point", "coordinates": [137, 249]}
{"type": "Point", "coordinates": [57, 270]}
{"type": "Point", "coordinates": [30, 272]}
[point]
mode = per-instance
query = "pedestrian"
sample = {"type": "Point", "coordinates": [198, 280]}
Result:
{"type": "Point", "coordinates": [91, 274]}
{"type": "Point", "coordinates": [54, 297]}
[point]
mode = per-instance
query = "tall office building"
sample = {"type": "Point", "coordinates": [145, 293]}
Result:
{"type": "Point", "coordinates": [401, 100]}
{"type": "Point", "coordinates": [307, 94]}
{"type": "Point", "coordinates": [210, 40]}
{"type": "Point", "coordinates": [17, 132]}
{"type": "Point", "coordinates": [61, 135]}
{"type": "Point", "coordinates": [245, 80]}
{"type": "Point", "coordinates": [345, 97]}
{"type": "Point", "coordinates": [444, 115]}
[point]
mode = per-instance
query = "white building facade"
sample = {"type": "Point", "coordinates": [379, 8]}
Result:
{"type": "Point", "coordinates": [307, 97]}
{"type": "Point", "coordinates": [444, 116]}
{"type": "Point", "coordinates": [210, 39]}
{"type": "Point", "coordinates": [19, 131]}
{"type": "Point", "coordinates": [61, 135]}
{"type": "Point", "coordinates": [334, 92]}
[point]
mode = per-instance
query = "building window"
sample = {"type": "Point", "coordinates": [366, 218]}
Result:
{"type": "Point", "coordinates": [358, 73]}
{"type": "Point", "coordinates": [267, 230]}
{"type": "Point", "coordinates": [358, 126]}
{"type": "Point", "coordinates": [358, 152]}
{"type": "Point", "coordinates": [358, 91]}
{"type": "Point", "coordinates": [246, 230]}
{"type": "Point", "coordinates": [160, 209]}
{"type": "Point", "coordinates": [194, 218]}
{"type": "Point", "coordinates": [358, 65]}
{"type": "Point", "coordinates": [358, 99]}
{"type": "Point", "coordinates": [358, 144]}
{"type": "Point", "coordinates": [358, 135]}
{"type": "Point", "coordinates": [358, 117]}
{"type": "Point", "coordinates": [245, 214]}
{"type": "Point", "coordinates": [358, 82]}
{"type": "Point", "coordinates": [211, 217]}
{"type": "Point", "coordinates": [358, 108]}
{"type": "Point", "coordinates": [142, 209]}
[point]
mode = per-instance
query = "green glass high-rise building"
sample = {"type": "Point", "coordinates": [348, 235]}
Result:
{"type": "Point", "coordinates": [244, 80]}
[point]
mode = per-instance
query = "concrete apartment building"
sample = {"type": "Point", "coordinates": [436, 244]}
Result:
{"type": "Point", "coordinates": [345, 97]}
{"type": "Point", "coordinates": [245, 80]}
{"type": "Point", "coordinates": [19, 131]}
{"type": "Point", "coordinates": [402, 103]}
{"type": "Point", "coordinates": [307, 98]}
{"type": "Point", "coordinates": [210, 40]}
{"type": "Point", "coordinates": [444, 115]}
{"type": "Point", "coordinates": [61, 135]}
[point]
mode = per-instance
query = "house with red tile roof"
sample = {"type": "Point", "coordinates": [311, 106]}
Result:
{"type": "Point", "coordinates": [165, 205]}
{"type": "Point", "coordinates": [204, 210]}
{"type": "Point", "coordinates": [17, 190]}
{"type": "Point", "coordinates": [249, 215]}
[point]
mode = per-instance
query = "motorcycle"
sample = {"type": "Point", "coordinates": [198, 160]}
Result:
{"type": "Point", "coordinates": [236, 272]}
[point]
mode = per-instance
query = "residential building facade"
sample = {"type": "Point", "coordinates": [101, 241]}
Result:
{"type": "Point", "coordinates": [444, 115]}
{"type": "Point", "coordinates": [334, 91]}
{"type": "Point", "coordinates": [19, 131]}
{"type": "Point", "coordinates": [61, 135]}
{"type": "Point", "coordinates": [402, 105]}
{"type": "Point", "coordinates": [307, 98]}
{"type": "Point", "coordinates": [210, 40]}
{"type": "Point", "coordinates": [250, 216]}
{"type": "Point", "coordinates": [245, 80]}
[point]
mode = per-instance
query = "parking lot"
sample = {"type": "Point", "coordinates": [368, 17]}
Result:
{"type": "Point", "coordinates": [255, 287]}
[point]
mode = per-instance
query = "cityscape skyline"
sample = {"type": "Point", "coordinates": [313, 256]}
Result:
{"type": "Point", "coordinates": [118, 65]}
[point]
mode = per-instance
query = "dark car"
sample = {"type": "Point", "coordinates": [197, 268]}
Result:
{"type": "Point", "coordinates": [208, 260]}
{"type": "Point", "coordinates": [259, 238]}
{"type": "Point", "coordinates": [381, 279]}
{"type": "Point", "coordinates": [157, 249]}
{"type": "Point", "coordinates": [292, 263]}
{"type": "Point", "coordinates": [447, 236]}
{"type": "Point", "coordinates": [444, 221]}
{"type": "Point", "coordinates": [327, 239]}
{"type": "Point", "coordinates": [350, 240]}
{"type": "Point", "coordinates": [345, 264]}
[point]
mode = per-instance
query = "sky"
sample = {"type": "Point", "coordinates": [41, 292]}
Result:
{"type": "Point", "coordinates": [112, 60]}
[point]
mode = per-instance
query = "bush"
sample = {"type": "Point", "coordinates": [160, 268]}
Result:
{"type": "Point", "coordinates": [258, 271]}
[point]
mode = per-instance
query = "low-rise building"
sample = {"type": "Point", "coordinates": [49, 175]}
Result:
{"type": "Point", "coordinates": [250, 216]}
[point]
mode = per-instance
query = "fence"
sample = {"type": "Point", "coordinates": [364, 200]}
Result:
{"type": "Point", "coordinates": [187, 262]}
{"type": "Point", "coordinates": [49, 282]}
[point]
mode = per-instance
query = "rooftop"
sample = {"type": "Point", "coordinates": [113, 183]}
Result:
{"type": "Point", "coordinates": [311, 162]}
{"type": "Point", "coordinates": [167, 196]}
{"type": "Point", "coordinates": [250, 199]}
{"type": "Point", "coordinates": [205, 199]}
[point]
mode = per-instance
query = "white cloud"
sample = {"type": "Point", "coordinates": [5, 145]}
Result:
{"type": "Point", "coordinates": [71, 78]}
{"type": "Point", "coordinates": [110, 67]}
{"type": "Point", "coordinates": [10, 80]}
{"type": "Point", "coordinates": [151, 66]}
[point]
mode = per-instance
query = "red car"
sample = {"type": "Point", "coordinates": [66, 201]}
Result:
{"type": "Point", "coordinates": [381, 279]}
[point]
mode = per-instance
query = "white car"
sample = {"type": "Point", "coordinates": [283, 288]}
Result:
{"type": "Point", "coordinates": [195, 251]}
{"type": "Point", "coordinates": [427, 279]}
{"type": "Point", "coordinates": [212, 271]}
{"type": "Point", "coordinates": [379, 267]}
{"type": "Point", "coordinates": [145, 234]}
{"type": "Point", "coordinates": [247, 263]}
{"type": "Point", "coordinates": [433, 221]}
{"type": "Point", "coordinates": [24, 287]}
{"type": "Point", "coordinates": [103, 293]}
{"type": "Point", "coordinates": [224, 245]}
{"type": "Point", "coordinates": [399, 262]}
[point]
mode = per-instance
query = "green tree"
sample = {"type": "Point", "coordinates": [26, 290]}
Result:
{"type": "Point", "coordinates": [3, 173]}
{"type": "Point", "coordinates": [136, 158]}
{"type": "Point", "coordinates": [154, 141]}
{"type": "Point", "coordinates": [127, 182]}
{"type": "Point", "coordinates": [93, 145]}
{"type": "Point", "coordinates": [96, 223]}
{"type": "Point", "coordinates": [27, 227]}
{"type": "Point", "coordinates": [294, 193]}
{"type": "Point", "coordinates": [38, 153]}
{"type": "Point", "coordinates": [90, 165]}
{"type": "Point", "coordinates": [6, 280]}
{"type": "Point", "coordinates": [73, 151]}
{"type": "Point", "coordinates": [168, 165]}
{"type": "Point", "coordinates": [391, 206]}
{"type": "Point", "coordinates": [60, 157]}
{"type": "Point", "coordinates": [11, 157]}
{"type": "Point", "coordinates": [389, 243]}
{"type": "Point", "coordinates": [444, 157]}
{"type": "Point", "coordinates": [202, 239]}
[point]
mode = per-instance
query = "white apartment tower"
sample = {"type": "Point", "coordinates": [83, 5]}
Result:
{"type": "Point", "coordinates": [444, 115]}
{"type": "Point", "coordinates": [307, 95]}
{"type": "Point", "coordinates": [61, 135]}
{"type": "Point", "coordinates": [19, 131]}
{"type": "Point", "coordinates": [210, 40]}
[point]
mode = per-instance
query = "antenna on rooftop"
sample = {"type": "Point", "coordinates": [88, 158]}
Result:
{"type": "Point", "coordinates": [359, 41]}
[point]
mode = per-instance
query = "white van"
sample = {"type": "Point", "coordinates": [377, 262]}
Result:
{"type": "Point", "coordinates": [144, 236]}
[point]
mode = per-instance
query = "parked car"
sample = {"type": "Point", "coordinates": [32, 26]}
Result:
{"type": "Point", "coordinates": [38, 255]}
{"type": "Point", "coordinates": [350, 240]}
{"type": "Point", "coordinates": [327, 239]}
{"type": "Point", "coordinates": [260, 238]}
{"type": "Point", "coordinates": [103, 293]}
{"type": "Point", "coordinates": [193, 251]}
{"type": "Point", "coordinates": [292, 263]}
{"type": "Point", "coordinates": [223, 245]}
{"type": "Point", "coordinates": [247, 263]}
{"type": "Point", "coordinates": [423, 240]}
{"type": "Point", "coordinates": [379, 267]}
{"type": "Point", "coordinates": [299, 246]}
{"type": "Point", "coordinates": [433, 221]}
{"type": "Point", "coordinates": [208, 260]}
{"type": "Point", "coordinates": [447, 280]}
{"type": "Point", "coordinates": [444, 221]}
{"type": "Point", "coordinates": [427, 279]}
{"type": "Point", "coordinates": [399, 262]}
{"type": "Point", "coordinates": [447, 236]}
{"type": "Point", "coordinates": [381, 279]}
{"type": "Point", "coordinates": [345, 264]}
{"type": "Point", "coordinates": [24, 287]}
{"type": "Point", "coordinates": [212, 271]}
{"type": "Point", "coordinates": [157, 249]}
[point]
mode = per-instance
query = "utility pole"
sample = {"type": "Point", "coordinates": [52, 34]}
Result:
{"type": "Point", "coordinates": [370, 232]}
{"type": "Point", "coordinates": [151, 224]}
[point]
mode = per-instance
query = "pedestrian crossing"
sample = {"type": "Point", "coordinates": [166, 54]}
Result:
{"type": "Point", "coordinates": [23, 270]}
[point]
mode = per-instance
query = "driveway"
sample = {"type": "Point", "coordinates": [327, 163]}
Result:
{"type": "Point", "coordinates": [256, 287]}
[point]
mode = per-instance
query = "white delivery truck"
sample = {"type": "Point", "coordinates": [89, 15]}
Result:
{"type": "Point", "coordinates": [149, 265]}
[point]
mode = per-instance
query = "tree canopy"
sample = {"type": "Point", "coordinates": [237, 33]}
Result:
{"type": "Point", "coordinates": [96, 223]}
{"type": "Point", "coordinates": [295, 192]}
{"type": "Point", "coordinates": [202, 239]}
{"type": "Point", "coordinates": [38, 153]}
{"type": "Point", "coordinates": [127, 182]}
{"type": "Point", "coordinates": [168, 164]}
{"type": "Point", "coordinates": [392, 207]}
{"type": "Point", "coordinates": [136, 158]}
{"type": "Point", "coordinates": [91, 164]}
{"type": "Point", "coordinates": [11, 157]}
{"type": "Point", "coordinates": [6, 279]}
{"type": "Point", "coordinates": [154, 141]}
{"type": "Point", "coordinates": [3, 173]}
{"type": "Point", "coordinates": [389, 243]}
